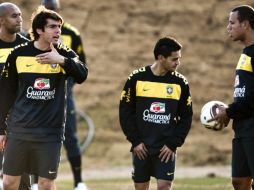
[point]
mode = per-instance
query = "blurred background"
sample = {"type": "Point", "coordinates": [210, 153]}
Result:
{"type": "Point", "coordinates": [119, 36]}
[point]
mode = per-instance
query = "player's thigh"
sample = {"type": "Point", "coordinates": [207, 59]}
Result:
{"type": "Point", "coordinates": [15, 157]}
{"type": "Point", "coordinates": [11, 182]}
{"type": "Point", "coordinates": [48, 159]}
{"type": "Point", "coordinates": [162, 170]}
{"type": "Point", "coordinates": [240, 166]}
{"type": "Point", "coordinates": [141, 169]}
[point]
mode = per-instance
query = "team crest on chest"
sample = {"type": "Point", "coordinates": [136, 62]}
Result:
{"type": "Point", "coordinates": [169, 90]}
{"type": "Point", "coordinates": [53, 66]}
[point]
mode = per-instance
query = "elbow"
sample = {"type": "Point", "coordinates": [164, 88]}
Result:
{"type": "Point", "coordinates": [82, 77]}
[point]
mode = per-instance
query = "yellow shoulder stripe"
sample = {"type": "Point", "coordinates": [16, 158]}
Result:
{"type": "Point", "coordinates": [66, 40]}
{"type": "Point", "coordinates": [4, 52]}
{"type": "Point", "coordinates": [244, 63]}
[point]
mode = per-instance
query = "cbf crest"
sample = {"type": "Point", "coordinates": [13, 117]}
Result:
{"type": "Point", "coordinates": [53, 66]}
{"type": "Point", "coordinates": [169, 90]}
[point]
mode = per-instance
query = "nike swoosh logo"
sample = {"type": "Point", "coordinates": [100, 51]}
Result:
{"type": "Point", "coordinates": [1, 56]}
{"type": "Point", "coordinates": [145, 89]}
{"type": "Point", "coordinates": [170, 173]}
{"type": "Point", "coordinates": [28, 65]}
{"type": "Point", "coordinates": [52, 172]}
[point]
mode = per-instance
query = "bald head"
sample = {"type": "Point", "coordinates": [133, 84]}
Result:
{"type": "Point", "coordinates": [6, 7]}
{"type": "Point", "coordinates": [10, 18]}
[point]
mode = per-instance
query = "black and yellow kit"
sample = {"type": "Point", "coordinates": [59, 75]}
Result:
{"type": "Point", "coordinates": [156, 110]}
{"type": "Point", "coordinates": [70, 37]}
{"type": "Point", "coordinates": [6, 47]}
{"type": "Point", "coordinates": [36, 93]}
{"type": "Point", "coordinates": [242, 109]}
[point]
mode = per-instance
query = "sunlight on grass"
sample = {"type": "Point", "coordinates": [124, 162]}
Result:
{"type": "Point", "coordinates": [216, 183]}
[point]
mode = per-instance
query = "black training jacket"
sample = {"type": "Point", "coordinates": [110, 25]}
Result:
{"type": "Point", "coordinates": [35, 107]}
{"type": "Point", "coordinates": [242, 109]}
{"type": "Point", "coordinates": [156, 110]}
{"type": "Point", "coordinates": [6, 47]}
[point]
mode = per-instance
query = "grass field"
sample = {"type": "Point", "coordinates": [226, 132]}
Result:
{"type": "Point", "coordinates": [215, 183]}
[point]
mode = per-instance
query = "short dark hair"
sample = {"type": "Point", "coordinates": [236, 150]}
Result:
{"type": "Point", "coordinates": [165, 46]}
{"type": "Point", "coordinates": [39, 20]}
{"type": "Point", "coordinates": [245, 12]}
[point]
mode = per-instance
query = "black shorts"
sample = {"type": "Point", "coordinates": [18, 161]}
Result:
{"type": "Point", "coordinates": [243, 157]}
{"type": "Point", "coordinates": [39, 158]}
{"type": "Point", "coordinates": [152, 166]}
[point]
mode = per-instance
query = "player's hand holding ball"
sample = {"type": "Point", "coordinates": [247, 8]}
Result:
{"type": "Point", "coordinates": [213, 115]}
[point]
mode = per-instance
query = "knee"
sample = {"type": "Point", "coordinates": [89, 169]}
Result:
{"type": "Point", "coordinates": [46, 184]}
{"type": "Point", "coordinates": [141, 186]}
{"type": "Point", "coordinates": [241, 184]}
{"type": "Point", "coordinates": [236, 184]}
{"type": "Point", "coordinates": [9, 184]}
{"type": "Point", "coordinates": [164, 185]}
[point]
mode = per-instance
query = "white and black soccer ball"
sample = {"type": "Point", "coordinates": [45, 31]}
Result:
{"type": "Point", "coordinates": [208, 111]}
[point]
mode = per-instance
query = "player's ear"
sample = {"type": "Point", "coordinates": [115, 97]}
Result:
{"type": "Point", "coordinates": [245, 24]}
{"type": "Point", "coordinates": [161, 57]}
{"type": "Point", "coordinates": [39, 31]}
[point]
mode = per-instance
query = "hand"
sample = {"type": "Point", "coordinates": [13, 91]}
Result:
{"type": "Point", "coordinates": [166, 153]}
{"type": "Point", "coordinates": [141, 151]}
{"type": "Point", "coordinates": [221, 117]}
{"type": "Point", "coordinates": [2, 142]}
{"type": "Point", "coordinates": [52, 57]}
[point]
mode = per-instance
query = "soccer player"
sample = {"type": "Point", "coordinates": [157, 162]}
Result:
{"type": "Point", "coordinates": [71, 38]}
{"type": "Point", "coordinates": [241, 28]}
{"type": "Point", "coordinates": [32, 104]}
{"type": "Point", "coordinates": [155, 115]}
{"type": "Point", "coordinates": [11, 24]}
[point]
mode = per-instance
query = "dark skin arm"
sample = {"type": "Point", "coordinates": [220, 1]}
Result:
{"type": "Point", "coordinates": [221, 117]}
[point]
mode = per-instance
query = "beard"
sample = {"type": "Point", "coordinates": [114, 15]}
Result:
{"type": "Point", "coordinates": [14, 30]}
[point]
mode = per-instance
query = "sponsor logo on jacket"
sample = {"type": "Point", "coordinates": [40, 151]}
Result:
{"type": "Point", "coordinates": [154, 114]}
{"type": "Point", "coordinates": [157, 107]}
{"type": "Point", "coordinates": [39, 91]}
{"type": "Point", "coordinates": [41, 83]}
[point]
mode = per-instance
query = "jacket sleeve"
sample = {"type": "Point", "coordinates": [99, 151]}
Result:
{"type": "Point", "coordinates": [127, 113]}
{"type": "Point", "coordinates": [242, 109]}
{"type": "Point", "coordinates": [183, 120]}
{"type": "Point", "coordinates": [245, 107]}
{"type": "Point", "coordinates": [8, 86]}
{"type": "Point", "coordinates": [74, 67]}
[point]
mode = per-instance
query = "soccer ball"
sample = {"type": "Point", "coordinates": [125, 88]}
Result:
{"type": "Point", "coordinates": [208, 111]}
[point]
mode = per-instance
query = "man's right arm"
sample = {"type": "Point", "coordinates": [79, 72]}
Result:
{"type": "Point", "coordinates": [8, 86]}
{"type": "Point", "coordinates": [127, 113]}
{"type": "Point", "coordinates": [241, 109]}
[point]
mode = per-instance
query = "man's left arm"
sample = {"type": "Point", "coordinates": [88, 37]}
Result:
{"type": "Point", "coordinates": [67, 59]}
{"type": "Point", "coordinates": [183, 120]}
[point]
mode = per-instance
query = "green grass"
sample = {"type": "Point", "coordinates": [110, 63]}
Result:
{"type": "Point", "coordinates": [216, 183]}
